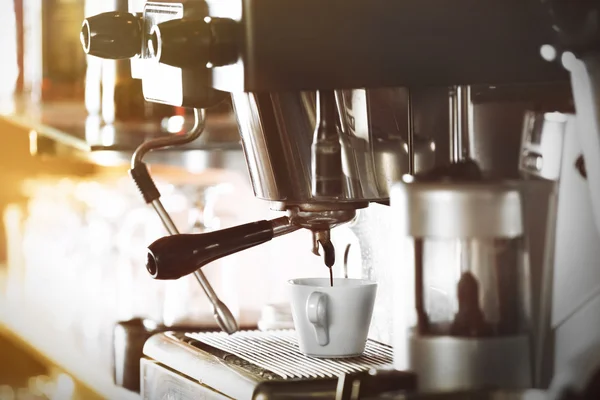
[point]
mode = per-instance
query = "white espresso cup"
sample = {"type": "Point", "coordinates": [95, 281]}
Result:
{"type": "Point", "coordinates": [332, 321]}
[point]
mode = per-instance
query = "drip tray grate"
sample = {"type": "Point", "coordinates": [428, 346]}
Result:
{"type": "Point", "coordinates": [278, 352]}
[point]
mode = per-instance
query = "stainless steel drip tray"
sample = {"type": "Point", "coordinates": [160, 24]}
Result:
{"type": "Point", "coordinates": [256, 364]}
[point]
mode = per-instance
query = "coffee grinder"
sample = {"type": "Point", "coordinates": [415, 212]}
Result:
{"type": "Point", "coordinates": [471, 326]}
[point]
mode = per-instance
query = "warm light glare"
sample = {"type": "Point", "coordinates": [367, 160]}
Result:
{"type": "Point", "coordinates": [175, 123]}
{"type": "Point", "coordinates": [7, 393]}
{"type": "Point", "coordinates": [108, 135]}
{"type": "Point", "coordinates": [548, 52]}
{"type": "Point", "coordinates": [65, 388]}
{"type": "Point", "coordinates": [33, 139]}
{"type": "Point", "coordinates": [109, 77]}
{"type": "Point", "coordinates": [92, 128]}
{"type": "Point", "coordinates": [106, 158]}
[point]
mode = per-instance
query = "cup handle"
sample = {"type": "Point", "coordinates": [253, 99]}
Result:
{"type": "Point", "coordinates": [316, 310]}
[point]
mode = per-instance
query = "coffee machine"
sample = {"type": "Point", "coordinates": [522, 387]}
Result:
{"type": "Point", "coordinates": [324, 94]}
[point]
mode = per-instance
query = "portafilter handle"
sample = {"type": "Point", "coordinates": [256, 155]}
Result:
{"type": "Point", "coordinates": [173, 257]}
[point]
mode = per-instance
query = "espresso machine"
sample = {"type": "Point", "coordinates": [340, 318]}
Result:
{"type": "Point", "coordinates": [325, 98]}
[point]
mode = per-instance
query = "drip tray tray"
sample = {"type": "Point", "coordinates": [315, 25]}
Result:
{"type": "Point", "coordinates": [278, 353]}
{"type": "Point", "coordinates": [251, 364]}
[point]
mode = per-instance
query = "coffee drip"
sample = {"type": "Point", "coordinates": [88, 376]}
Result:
{"type": "Point", "coordinates": [323, 238]}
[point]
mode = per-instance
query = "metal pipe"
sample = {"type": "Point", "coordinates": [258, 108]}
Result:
{"type": "Point", "coordinates": [461, 123]}
{"type": "Point", "coordinates": [454, 138]}
{"type": "Point", "coordinates": [465, 123]}
{"type": "Point", "coordinates": [221, 312]}
{"type": "Point", "coordinates": [171, 141]}
{"type": "Point", "coordinates": [411, 135]}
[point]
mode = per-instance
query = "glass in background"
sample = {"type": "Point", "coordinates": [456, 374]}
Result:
{"type": "Point", "coordinates": [9, 67]}
{"type": "Point", "coordinates": [54, 64]}
{"type": "Point", "coordinates": [80, 260]}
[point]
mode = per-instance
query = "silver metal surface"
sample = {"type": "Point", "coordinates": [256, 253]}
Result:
{"type": "Point", "coordinates": [278, 352]}
{"type": "Point", "coordinates": [448, 364]}
{"type": "Point", "coordinates": [572, 257]}
{"type": "Point", "coordinates": [541, 154]}
{"type": "Point", "coordinates": [159, 383]}
{"type": "Point", "coordinates": [585, 81]}
{"type": "Point", "coordinates": [277, 131]}
{"type": "Point", "coordinates": [411, 134]}
{"type": "Point", "coordinates": [542, 144]}
{"type": "Point", "coordinates": [282, 226]}
{"type": "Point", "coordinates": [576, 272]}
{"type": "Point", "coordinates": [540, 201]}
{"type": "Point", "coordinates": [170, 141]}
{"type": "Point", "coordinates": [569, 309]}
{"type": "Point", "coordinates": [461, 123]}
{"type": "Point", "coordinates": [499, 270]}
{"type": "Point", "coordinates": [459, 210]}
{"type": "Point", "coordinates": [221, 312]}
{"type": "Point", "coordinates": [321, 219]}
{"type": "Point", "coordinates": [200, 366]}
{"type": "Point", "coordinates": [164, 217]}
{"type": "Point", "coordinates": [577, 346]}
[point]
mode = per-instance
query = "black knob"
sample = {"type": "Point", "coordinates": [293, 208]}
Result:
{"type": "Point", "coordinates": [195, 42]}
{"type": "Point", "coordinates": [172, 257]}
{"type": "Point", "coordinates": [113, 35]}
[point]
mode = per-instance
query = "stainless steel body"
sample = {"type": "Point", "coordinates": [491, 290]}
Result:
{"type": "Point", "coordinates": [277, 134]}
{"type": "Point", "coordinates": [218, 367]}
{"type": "Point", "coordinates": [568, 263]}
{"type": "Point", "coordinates": [447, 364]}
{"type": "Point", "coordinates": [159, 382]}
{"type": "Point", "coordinates": [470, 328]}
{"type": "Point", "coordinates": [576, 321]}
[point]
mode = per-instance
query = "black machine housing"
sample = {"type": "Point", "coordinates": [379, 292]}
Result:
{"type": "Point", "coordinates": [283, 45]}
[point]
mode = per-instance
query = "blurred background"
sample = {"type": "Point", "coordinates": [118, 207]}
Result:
{"type": "Point", "coordinates": [75, 229]}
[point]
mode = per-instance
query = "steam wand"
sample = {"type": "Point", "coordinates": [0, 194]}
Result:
{"type": "Point", "coordinates": [143, 180]}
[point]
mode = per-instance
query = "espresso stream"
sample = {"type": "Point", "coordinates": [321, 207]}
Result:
{"type": "Point", "coordinates": [329, 258]}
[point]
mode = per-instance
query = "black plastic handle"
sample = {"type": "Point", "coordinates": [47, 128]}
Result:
{"type": "Point", "coordinates": [112, 35]}
{"type": "Point", "coordinates": [172, 257]}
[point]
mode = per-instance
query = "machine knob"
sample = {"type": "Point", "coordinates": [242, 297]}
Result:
{"type": "Point", "coordinates": [195, 42]}
{"type": "Point", "coordinates": [113, 35]}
